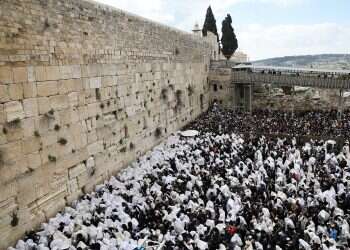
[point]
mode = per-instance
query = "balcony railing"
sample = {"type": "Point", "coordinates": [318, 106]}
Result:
{"type": "Point", "coordinates": [244, 77]}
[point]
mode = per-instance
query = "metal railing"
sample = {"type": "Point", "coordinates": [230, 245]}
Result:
{"type": "Point", "coordinates": [289, 80]}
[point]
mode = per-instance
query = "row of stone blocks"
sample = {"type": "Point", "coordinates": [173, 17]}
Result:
{"type": "Point", "coordinates": [62, 134]}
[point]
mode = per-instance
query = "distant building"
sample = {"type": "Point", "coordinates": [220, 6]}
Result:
{"type": "Point", "coordinates": [211, 38]}
{"type": "Point", "coordinates": [196, 30]}
{"type": "Point", "coordinates": [240, 57]}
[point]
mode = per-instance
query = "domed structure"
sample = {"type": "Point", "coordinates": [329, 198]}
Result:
{"type": "Point", "coordinates": [196, 30]}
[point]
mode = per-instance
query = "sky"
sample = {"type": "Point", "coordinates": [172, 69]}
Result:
{"type": "Point", "coordinates": [264, 28]}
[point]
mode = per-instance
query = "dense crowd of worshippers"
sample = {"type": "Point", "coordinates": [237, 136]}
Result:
{"type": "Point", "coordinates": [263, 121]}
{"type": "Point", "coordinates": [213, 192]}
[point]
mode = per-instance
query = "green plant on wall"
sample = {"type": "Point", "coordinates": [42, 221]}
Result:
{"type": "Point", "coordinates": [15, 123]}
{"type": "Point", "coordinates": [190, 90]}
{"type": "Point", "coordinates": [178, 96]}
{"type": "Point", "coordinates": [2, 161]}
{"type": "Point", "coordinates": [62, 141]}
{"type": "Point", "coordinates": [201, 100]}
{"type": "Point", "coordinates": [164, 94]}
{"type": "Point", "coordinates": [158, 132]}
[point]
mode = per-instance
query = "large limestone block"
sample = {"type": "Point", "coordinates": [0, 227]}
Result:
{"type": "Point", "coordinates": [73, 99]}
{"type": "Point", "coordinates": [70, 85]}
{"type": "Point", "coordinates": [51, 202]}
{"type": "Point", "coordinates": [76, 71]}
{"type": "Point", "coordinates": [34, 160]}
{"type": "Point", "coordinates": [31, 144]}
{"type": "Point", "coordinates": [20, 74]}
{"type": "Point", "coordinates": [93, 109]}
{"type": "Point", "coordinates": [6, 75]}
{"type": "Point", "coordinates": [14, 111]}
{"type": "Point", "coordinates": [95, 82]}
{"type": "Point", "coordinates": [79, 135]}
{"type": "Point", "coordinates": [83, 112]}
{"type": "Point", "coordinates": [49, 155]}
{"type": "Point", "coordinates": [31, 74]}
{"type": "Point", "coordinates": [4, 93]}
{"type": "Point", "coordinates": [75, 159]}
{"type": "Point", "coordinates": [49, 138]}
{"type": "Point", "coordinates": [108, 81]}
{"type": "Point", "coordinates": [16, 91]}
{"type": "Point", "coordinates": [44, 105]}
{"type": "Point", "coordinates": [29, 90]}
{"type": "Point", "coordinates": [76, 170]}
{"type": "Point", "coordinates": [48, 88]}
{"type": "Point", "coordinates": [66, 72]}
{"type": "Point", "coordinates": [59, 102]}
{"type": "Point", "coordinates": [11, 151]}
{"type": "Point", "coordinates": [81, 97]}
{"type": "Point", "coordinates": [66, 86]}
{"type": "Point", "coordinates": [52, 73]}
{"type": "Point", "coordinates": [74, 115]}
{"type": "Point", "coordinates": [30, 107]}
{"type": "Point", "coordinates": [95, 148]}
{"type": "Point", "coordinates": [8, 190]}
{"type": "Point", "coordinates": [65, 116]}
{"type": "Point", "coordinates": [40, 73]}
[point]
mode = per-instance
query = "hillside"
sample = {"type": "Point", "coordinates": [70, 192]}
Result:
{"type": "Point", "coordinates": [329, 61]}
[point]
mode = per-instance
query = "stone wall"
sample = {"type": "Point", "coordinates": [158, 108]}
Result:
{"type": "Point", "coordinates": [84, 90]}
{"type": "Point", "coordinates": [222, 91]}
{"type": "Point", "coordinates": [310, 99]}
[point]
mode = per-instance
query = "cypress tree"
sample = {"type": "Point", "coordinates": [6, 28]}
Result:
{"type": "Point", "coordinates": [210, 23]}
{"type": "Point", "coordinates": [229, 41]}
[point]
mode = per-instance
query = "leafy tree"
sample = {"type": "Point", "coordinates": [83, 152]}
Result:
{"type": "Point", "coordinates": [229, 41]}
{"type": "Point", "coordinates": [210, 23]}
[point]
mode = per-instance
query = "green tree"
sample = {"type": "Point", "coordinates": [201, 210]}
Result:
{"type": "Point", "coordinates": [210, 23]}
{"type": "Point", "coordinates": [228, 40]}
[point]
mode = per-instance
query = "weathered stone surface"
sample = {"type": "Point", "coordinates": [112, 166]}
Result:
{"type": "Point", "coordinates": [59, 102]}
{"type": "Point", "coordinates": [76, 170]}
{"type": "Point", "coordinates": [4, 93]}
{"type": "Point", "coordinates": [6, 75]}
{"type": "Point", "coordinates": [44, 105]}
{"type": "Point", "coordinates": [20, 74]}
{"type": "Point", "coordinates": [16, 91]}
{"type": "Point", "coordinates": [95, 93]}
{"type": "Point", "coordinates": [49, 88]}
{"type": "Point", "coordinates": [29, 90]}
{"type": "Point", "coordinates": [14, 111]}
{"type": "Point", "coordinates": [30, 107]}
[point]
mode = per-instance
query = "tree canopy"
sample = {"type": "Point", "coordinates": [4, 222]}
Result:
{"type": "Point", "coordinates": [228, 40]}
{"type": "Point", "coordinates": [210, 23]}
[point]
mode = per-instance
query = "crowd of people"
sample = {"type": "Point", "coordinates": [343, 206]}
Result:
{"type": "Point", "coordinates": [262, 121]}
{"type": "Point", "coordinates": [216, 191]}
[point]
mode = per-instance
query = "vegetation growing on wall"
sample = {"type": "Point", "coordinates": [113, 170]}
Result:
{"type": "Point", "coordinates": [62, 141]}
{"type": "Point", "coordinates": [178, 95]}
{"type": "Point", "coordinates": [14, 220]}
{"type": "Point", "coordinates": [201, 99]}
{"type": "Point", "coordinates": [158, 132]}
{"type": "Point", "coordinates": [1, 158]}
{"type": "Point", "coordinates": [190, 90]}
{"type": "Point", "coordinates": [164, 94]}
{"type": "Point", "coordinates": [15, 123]}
